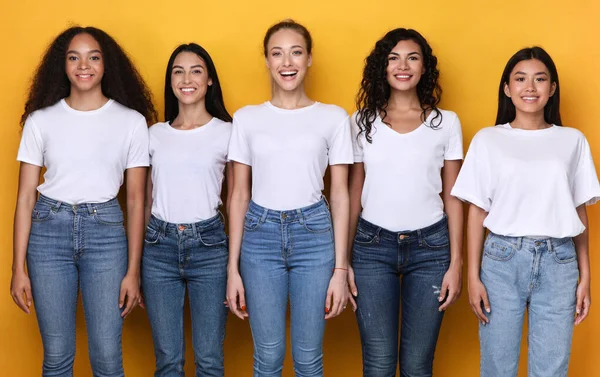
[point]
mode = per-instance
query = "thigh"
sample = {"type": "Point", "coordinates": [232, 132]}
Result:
{"type": "Point", "coordinates": [422, 278]}
{"type": "Point", "coordinates": [54, 280]}
{"type": "Point", "coordinates": [164, 292]}
{"type": "Point", "coordinates": [376, 276]}
{"type": "Point", "coordinates": [206, 275]}
{"type": "Point", "coordinates": [552, 311]}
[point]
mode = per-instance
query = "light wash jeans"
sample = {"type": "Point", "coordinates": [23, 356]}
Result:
{"type": "Point", "coordinates": [399, 274]}
{"type": "Point", "coordinates": [287, 253]}
{"type": "Point", "coordinates": [73, 247]}
{"type": "Point", "coordinates": [176, 257]}
{"type": "Point", "coordinates": [539, 275]}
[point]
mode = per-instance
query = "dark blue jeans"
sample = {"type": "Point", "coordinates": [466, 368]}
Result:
{"type": "Point", "coordinates": [287, 254]}
{"type": "Point", "coordinates": [177, 256]}
{"type": "Point", "coordinates": [73, 247]}
{"type": "Point", "coordinates": [396, 270]}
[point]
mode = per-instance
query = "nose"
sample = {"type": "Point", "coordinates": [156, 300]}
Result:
{"type": "Point", "coordinates": [404, 65]}
{"type": "Point", "coordinates": [82, 64]}
{"type": "Point", "coordinates": [287, 60]}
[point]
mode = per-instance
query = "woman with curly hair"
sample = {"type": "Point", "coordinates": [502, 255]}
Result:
{"type": "Point", "coordinates": [285, 245]}
{"type": "Point", "coordinates": [85, 121]}
{"type": "Point", "coordinates": [407, 243]}
{"type": "Point", "coordinates": [182, 213]}
{"type": "Point", "coordinates": [528, 180]}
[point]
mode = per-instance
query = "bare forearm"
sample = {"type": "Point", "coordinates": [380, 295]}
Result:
{"type": "Point", "coordinates": [475, 235]}
{"type": "Point", "coordinates": [135, 233]}
{"type": "Point", "coordinates": [455, 212]}
{"type": "Point", "coordinates": [582, 247]}
{"type": "Point", "coordinates": [21, 230]}
{"type": "Point", "coordinates": [356, 179]}
{"type": "Point", "coordinates": [237, 212]}
{"type": "Point", "coordinates": [340, 213]}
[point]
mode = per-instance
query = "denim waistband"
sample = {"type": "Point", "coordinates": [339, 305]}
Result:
{"type": "Point", "coordinates": [167, 227]}
{"type": "Point", "coordinates": [57, 205]}
{"type": "Point", "coordinates": [287, 216]}
{"type": "Point", "coordinates": [530, 242]}
{"type": "Point", "coordinates": [408, 235]}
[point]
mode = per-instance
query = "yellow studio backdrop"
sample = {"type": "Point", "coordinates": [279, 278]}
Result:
{"type": "Point", "coordinates": [472, 40]}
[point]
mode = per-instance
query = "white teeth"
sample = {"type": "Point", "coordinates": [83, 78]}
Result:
{"type": "Point", "coordinates": [187, 90]}
{"type": "Point", "coordinates": [84, 76]}
{"type": "Point", "coordinates": [288, 73]}
{"type": "Point", "coordinates": [529, 98]}
{"type": "Point", "coordinates": [403, 76]}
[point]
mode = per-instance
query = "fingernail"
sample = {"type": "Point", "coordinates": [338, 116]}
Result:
{"type": "Point", "coordinates": [487, 310]}
{"type": "Point", "coordinates": [354, 293]}
{"type": "Point", "coordinates": [243, 308]}
{"type": "Point", "coordinates": [440, 299]}
{"type": "Point", "coordinates": [326, 310]}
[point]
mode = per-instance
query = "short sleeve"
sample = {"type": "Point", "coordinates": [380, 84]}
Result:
{"type": "Point", "coordinates": [585, 187]}
{"type": "Point", "coordinates": [454, 148]}
{"type": "Point", "coordinates": [340, 145]}
{"type": "Point", "coordinates": [473, 183]}
{"type": "Point", "coordinates": [239, 149]}
{"type": "Point", "coordinates": [31, 149]}
{"type": "Point", "coordinates": [357, 146]}
{"type": "Point", "coordinates": [138, 155]}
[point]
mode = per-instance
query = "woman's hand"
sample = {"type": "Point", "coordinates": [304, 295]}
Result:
{"type": "Point", "coordinates": [130, 293]}
{"type": "Point", "coordinates": [236, 299]}
{"type": "Point", "coordinates": [20, 290]}
{"type": "Point", "coordinates": [337, 294]}
{"type": "Point", "coordinates": [477, 296]}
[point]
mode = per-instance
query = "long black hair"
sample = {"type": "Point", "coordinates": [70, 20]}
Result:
{"type": "Point", "coordinates": [121, 80]}
{"type": "Point", "coordinates": [375, 90]}
{"type": "Point", "coordinates": [214, 96]}
{"type": "Point", "coordinates": [506, 108]}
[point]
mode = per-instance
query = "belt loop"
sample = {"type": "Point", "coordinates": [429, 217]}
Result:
{"type": "Point", "coordinates": [263, 217]}
{"type": "Point", "coordinates": [519, 242]}
{"type": "Point", "coordinates": [221, 216]}
{"type": "Point", "coordinates": [163, 227]}
{"type": "Point", "coordinates": [90, 208]}
{"type": "Point", "coordinates": [194, 230]}
{"type": "Point", "coordinates": [56, 206]}
{"type": "Point", "coordinates": [420, 236]}
{"type": "Point", "coordinates": [326, 202]}
{"type": "Point", "coordinates": [300, 215]}
{"type": "Point", "coordinates": [549, 244]}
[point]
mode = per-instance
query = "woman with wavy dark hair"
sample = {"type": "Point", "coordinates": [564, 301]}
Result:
{"type": "Point", "coordinates": [405, 227]}
{"type": "Point", "coordinates": [528, 181]}
{"type": "Point", "coordinates": [85, 121]}
{"type": "Point", "coordinates": [186, 245]}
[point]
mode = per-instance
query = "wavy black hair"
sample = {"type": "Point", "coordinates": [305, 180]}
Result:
{"type": "Point", "coordinates": [121, 80]}
{"type": "Point", "coordinates": [374, 93]}
{"type": "Point", "coordinates": [506, 108]}
{"type": "Point", "coordinates": [214, 96]}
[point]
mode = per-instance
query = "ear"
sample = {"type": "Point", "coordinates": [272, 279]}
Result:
{"type": "Point", "coordinates": [506, 90]}
{"type": "Point", "coordinates": [309, 60]}
{"type": "Point", "coordinates": [210, 82]}
{"type": "Point", "coordinates": [267, 63]}
{"type": "Point", "coordinates": [553, 89]}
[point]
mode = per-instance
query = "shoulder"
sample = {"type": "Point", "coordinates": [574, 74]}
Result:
{"type": "Point", "coordinates": [250, 111]}
{"type": "Point", "coordinates": [570, 132]}
{"type": "Point", "coordinates": [487, 134]}
{"type": "Point", "coordinates": [125, 113]}
{"type": "Point", "coordinates": [158, 127]}
{"type": "Point", "coordinates": [329, 111]}
{"type": "Point", "coordinates": [46, 114]}
{"type": "Point", "coordinates": [221, 127]}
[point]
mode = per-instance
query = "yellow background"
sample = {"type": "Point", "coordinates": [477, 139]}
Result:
{"type": "Point", "coordinates": [472, 39]}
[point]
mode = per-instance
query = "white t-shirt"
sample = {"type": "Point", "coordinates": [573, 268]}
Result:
{"type": "Point", "coordinates": [289, 150]}
{"type": "Point", "coordinates": [187, 170]}
{"type": "Point", "coordinates": [403, 178]}
{"type": "Point", "coordinates": [529, 181]}
{"type": "Point", "coordinates": [85, 152]}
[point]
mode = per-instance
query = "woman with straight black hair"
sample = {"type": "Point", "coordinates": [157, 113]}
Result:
{"type": "Point", "coordinates": [85, 122]}
{"type": "Point", "coordinates": [186, 245]}
{"type": "Point", "coordinates": [528, 181]}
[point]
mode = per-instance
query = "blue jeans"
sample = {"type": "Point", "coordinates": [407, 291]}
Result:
{"type": "Point", "coordinates": [396, 270]}
{"type": "Point", "coordinates": [73, 247]}
{"type": "Point", "coordinates": [539, 275]}
{"type": "Point", "coordinates": [177, 256]}
{"type": "Point", "coordinates": [287, 253]}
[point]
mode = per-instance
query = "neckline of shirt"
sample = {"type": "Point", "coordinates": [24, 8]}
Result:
{"type": "Point", "coordinates": [507, 126]}
{"type": "Point", "coordinates": [86, 112]}
{"type": "Point", "coordinates": [423, 124]}
{"type": "Point", "coordinates": [194, 130]}
{"type": "Point", "coordinates": [291, 111]}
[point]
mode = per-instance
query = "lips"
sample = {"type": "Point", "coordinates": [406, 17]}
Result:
{"type": "Point", "coordinates": [288, 74]}
{"type": "Point", "coordinates": [187, 90]}
{"type": "Point", "coordinates": [403, 76]}
{"type": "Point", "coordinates": [530, 99]}
{"type": "Point", "coordinates": [85, 76]}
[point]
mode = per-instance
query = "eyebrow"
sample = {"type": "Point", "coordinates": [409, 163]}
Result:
{"type": "Point", "coordinates": [281, 48]}
{"type": "Point", "coordinates": [537, 73]}
{"type": "Point", "coordinates": [91, 52]}
{"type": "Point", "coordinates": [194, 66]}
{"type": "Point", "coordinates": [409, 54]}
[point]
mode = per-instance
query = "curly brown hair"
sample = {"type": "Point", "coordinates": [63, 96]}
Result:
{"type": "Point", "coordinates": [374, 92]}
{"type": "Point", "coordinates": [121, 80]}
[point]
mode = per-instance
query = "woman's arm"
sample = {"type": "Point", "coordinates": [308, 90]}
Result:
{"type": "Point", "coordinates": [20, 285]}
{"type": "Point", "coordinates": [584, 297]}
{"type": "Point", "coordinates": [228, 185]}
{"type": "Point", "coordinates": [337, 293]}
{"type": "Point", "coordinates": [136, 189]}
{"type": "Point", "coordinates": [355, 187]}
{"type": "Point", "coordinates": [148, 199]}
{"type": "Point", "coordinates": [240, 198]}
{"type": "Point", "coordinates": [475, 235]}
{"type": "Point", "coordinates": [452, 282]}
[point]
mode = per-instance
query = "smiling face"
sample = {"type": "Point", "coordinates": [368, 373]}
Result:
{"type": "Point", "coordinates": [530, 86]}
{"type": "Point", "coordinates": [405, 66]}
{"type": "Point", "coordinates": [189, 78]}
{"type": "Point", "coordinates": [288, 59]}
{"type": "Point", "coordinates": [84, 64]}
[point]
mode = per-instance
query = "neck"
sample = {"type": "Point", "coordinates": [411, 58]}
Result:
{"type": "Point", "coordinates": [529, 121]}
{"type": "Point", "coordinates": [86, 101]}
{"type": "Point", "coordinates": [191, 116]}
{"type": "Point", "coordinates": [403, 100]}
{"type": "Point", "coordinates": [289, 99]}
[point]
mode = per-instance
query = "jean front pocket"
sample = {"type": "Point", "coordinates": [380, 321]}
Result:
{"type": "Point", "coordinates": [152, 236]}
{"type": "Point", "coordinates": [251, 222]}
{"type": "Point", "coordinates": [109, 215]}
{"type": "Point", "coordinates": [213, 237]}
{"type": "Point", "coordinates": [41, 213]}
{"type": "Point", "coordinates": [318, 223]}
{"type": "Point", "coordinates": [437, 240]}
{"type": "Point", "coordinates": [364, 235]}
{"type": "Point", "coordinates": [499, 248]}
{"type": "Point", "coordinates": [564, 252]}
